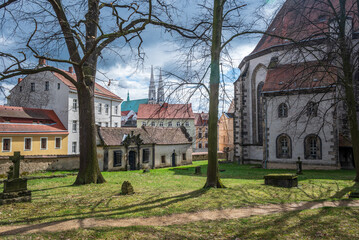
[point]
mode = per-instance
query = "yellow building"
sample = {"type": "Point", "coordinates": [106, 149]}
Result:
{"type": "Point", "coordinates": [31, 132]}
{"type": "Point", "coordinates": [225, 132]}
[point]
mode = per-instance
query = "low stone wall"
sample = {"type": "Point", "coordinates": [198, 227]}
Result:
{"type": "Point", "coordinates": [204, 156]}
{"type": "Point", "coordinates": [32, 164]}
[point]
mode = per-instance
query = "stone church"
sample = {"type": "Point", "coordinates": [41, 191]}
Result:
{"type": "Point", "coordinates": [286, 102]}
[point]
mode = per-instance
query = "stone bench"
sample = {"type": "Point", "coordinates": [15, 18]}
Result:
{"type": "Point", "coordinates": [281, 180]}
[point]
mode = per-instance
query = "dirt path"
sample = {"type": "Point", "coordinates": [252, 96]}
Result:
{"type": "Point", "coordinates": [171, 219]}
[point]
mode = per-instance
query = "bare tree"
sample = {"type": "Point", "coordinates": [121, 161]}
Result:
{"type": "Point", "coordinates": [84, 29]}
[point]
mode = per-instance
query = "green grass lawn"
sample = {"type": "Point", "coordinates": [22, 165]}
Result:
{"type": "Point", "coordinates": [326, 223]}
{"type": "Point", "coordinates": [168, 191]}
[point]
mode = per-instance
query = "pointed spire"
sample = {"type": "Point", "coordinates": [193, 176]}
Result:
{"type": "Point", "coordinates": [128, 95]}
{"type": "Point", "coordinates": [152, 89]}
{"type": "Point", "coordinates": [161, 92]}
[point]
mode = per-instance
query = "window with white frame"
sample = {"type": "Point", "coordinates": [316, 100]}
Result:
{"type": "Point", "coordinates": [106, 109]}
{"type": "Point", "coordinates": [169, 124]}
{"type": "Point", "coordinates": [74, 147]}
{"type": "Point", "coordinates": [6, 144]}
{"type": "Point", "coordinates": [116, 110]}
{"type": "Point", "coordinates": [116, 124]}
{"type": "Point", "coordinates": [99, 108]}
{"type": "Point", "coordinates": [106, 124]}
{"type": "Point", "coordinates": [187, 124]}
{"type": "Point", "coordinates": [27, 144]}
{"type": "Point", "coordinates": [178, 124]}
{"type": "Point", "coordinates": [161, 124]}
{"type": "Point", "coordinates": [74, 126]}
{"type": "Point", "coordinates": [144, 124]}
{"type": "Point", "coordinates": [74, 105]}
{"type": "Point", "coordinates": [58, 142]}
{"type": "Point", "coordinates": [153, 124]}
{"type": "Point", "coordinates": [43, 143]}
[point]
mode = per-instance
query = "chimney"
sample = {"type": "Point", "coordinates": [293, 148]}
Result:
{"type": "Point", "coordinates": [42, 62]}
{"type": "Point", "coordinates": [19, 80]}
{"type": "Point", "coordinates": [71, 69]}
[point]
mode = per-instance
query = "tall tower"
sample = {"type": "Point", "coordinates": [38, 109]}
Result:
{"type": "Point", "coordinates": [152, 89]}
{"type": "Point", "coordinates": [160, 92]}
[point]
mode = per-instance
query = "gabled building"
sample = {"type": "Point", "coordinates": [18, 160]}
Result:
{"type": "Point", "coordinates": [284, 102]}
{"type": "Point", "coordinates": [159, 147]}
{"type": "Point", "coordinates": [201, 124]}
{"type": "Point", "coordinates": [50, 90]}
{"type": "Point", "coordinates": [167, 116]}
{"type": "Point", "coordinates": [31, 132]}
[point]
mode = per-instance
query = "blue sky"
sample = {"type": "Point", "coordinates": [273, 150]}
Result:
{"type": "Point", "coordinates": [128, 76]}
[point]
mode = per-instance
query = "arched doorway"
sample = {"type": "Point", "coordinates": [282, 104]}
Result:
{"type": "Point", "coordinates": [173, 159]}
{"type": "Point", "coordinates": [132, 160]}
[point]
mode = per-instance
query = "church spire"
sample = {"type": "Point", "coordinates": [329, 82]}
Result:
{"type": "Point", "coordinates": [152, 89]}
{"type": "Point", "coordinates": [128, 96]}
{"type": "Point", "coordinates": [160, 92]}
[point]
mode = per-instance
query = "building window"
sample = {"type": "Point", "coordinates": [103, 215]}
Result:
{"type": "Point", "coordinates": [74, 147]}
{"type": "Point", "coordinates": [144, 124]}
{"type": "Point", "coordinates": [99, 108]}
{"type": "Point", "coordinates": [106, 124]}
{"type": "Point", "coordinates": [6, 144]}
{"type": "Point", "coordinates": [146, 156]}
{"type": "Point", "coordinates": [206, 145]}
{"type": "Point", "coordinates": [161, 124]}
{"type": "Point", "coordinates": [106, 109]}
{"type": "Point", "coordinates": [312, 147]}
{"type": "Point", "coordinates": [260, 112]}
{"type": "Point", "coordinates": [27, 144]}
{"type": "Point", "coordinates": [58, 143]}
{"type": "Point", "coordinates": [58, 86]}
{"type": "Point", "coordinates": [199, 145]}
{"type": "Point", "coordinates": [153, 124]}
{"type": "Point", "coordinates": [284, 146]}
{"type": "Point", "coordinates": [163, 159]}
{"type": "Point", "coordinates": [74, 126]}
{"type": "Point", "coordinates": [99, 123]}
{"type": "Point", "coordinates": [47, 86]}
{"type": "Point", "coordinates": [170, 124]}
{"type": "Point", "coordinates": [74, 105]}
{"type": "Point", "coordinates": [184, 157]}
{"type": "Point", "coordinates": [282, 110]}
{"type": "Point", "coordinates": [178, 124]}
{"type": "Point", "coordinates": [206, 134]}
{"type": "Point", "coordinates": [312, 109]}
{"type": "Point", "coordinates": [43, 143]}
{"type": "Point", "coordinates": [116, 110]}
{"type": "Point", "coordinates": [116, 124]}
{"type": "Point", "coordinates": [20, 89]}
{"type": "Point", "coordinates": [200, 134]}
{"type": "Point", "coordinates": [32, 87]}
{"type": "Point", "coordinates": [187, 124]}
{"type": "Point", "coordinates": [117, 158]}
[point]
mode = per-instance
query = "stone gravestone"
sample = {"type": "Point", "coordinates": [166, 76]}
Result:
{"type": "Point", "coordinates": [127, 188]}
{"type": "Point", "coordinates": [15, 188]}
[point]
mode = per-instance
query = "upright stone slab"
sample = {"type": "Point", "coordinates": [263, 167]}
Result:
{"type": "Point", "coordinates": [15, 188]}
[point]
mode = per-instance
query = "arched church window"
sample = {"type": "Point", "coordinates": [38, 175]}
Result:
{"type": "Point", "coordinates": [283, 110]}
{"type": "Point", "coordinates": [312, 109]}
{"type": "Point", "coordinates": [284, 146]}
{"type": "Point", "coordinates": [312, 147]}
{"type": "Point", "coordinates": [260, 112]}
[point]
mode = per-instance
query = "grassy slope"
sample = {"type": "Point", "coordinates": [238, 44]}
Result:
{"type": "Point", "coordinates": [167, 191]}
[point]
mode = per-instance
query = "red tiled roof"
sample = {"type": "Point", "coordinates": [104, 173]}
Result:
{"type": "Point", "coordinates": [165, 111]}
{"type": "Point", "coordinates": [302, 20]}
{"type": "Point", "coordinates": [297, 77]}
{"type": "Point", "coordinates": [19, 120]}
{"type": "Point", "coordinates": [99, 90]}
{"type": "Point", "coordinates": [124, 113]}
{"type": "Point", "coordinates": [201, 119]}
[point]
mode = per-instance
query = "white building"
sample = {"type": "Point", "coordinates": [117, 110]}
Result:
{"type": "Point", "coordinates": [286, 104]}
{"type": "Point", "coordinates": [50, 90]}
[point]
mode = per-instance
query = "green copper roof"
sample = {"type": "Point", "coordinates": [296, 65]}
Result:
{"type": "Point", "coordinates": [133, 104]}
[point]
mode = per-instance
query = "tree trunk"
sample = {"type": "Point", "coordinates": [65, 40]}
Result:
{"type": "Point", "coordinates": [89, 171]}
{"type": "Point", "coordinates": [213, 179]}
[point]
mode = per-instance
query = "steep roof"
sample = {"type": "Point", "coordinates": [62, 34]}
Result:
{"type": "Point", "coordinates": [201, 119]}
{"type": "Point", "coordinates": [150, 135]}
{"type": "Point", "coordinates": [301, 20]}
{"type": "Point", "coordinates": [299, 77]}
{"type": "Point", "coordinates": [165, 111]}
{"type": "Point", "coordinates": [99, 90]}
{"type": "Point", "coordinates": [133, 104]}
{"type": "Point", "coordinates": [17, 120]}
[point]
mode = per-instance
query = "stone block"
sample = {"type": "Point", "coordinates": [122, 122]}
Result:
{"type": "Point", "coordinates": [281, 180]}
{"type": "Point", "coordinates": [15, 197]}
{"type": "Point", "coordinates": [15, 185]}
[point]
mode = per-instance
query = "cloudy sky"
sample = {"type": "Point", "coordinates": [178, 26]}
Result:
{"type": "Point", "coordinates": [131, 76]}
